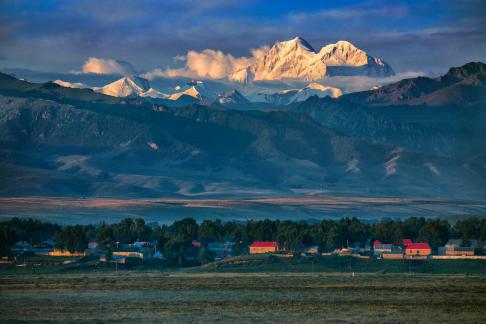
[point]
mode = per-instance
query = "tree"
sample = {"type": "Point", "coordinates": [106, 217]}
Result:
{"type": "Point", "coordinates": [412, 226]}
{"type": "Point", "coordinates": [334, 238]}
{"type": "Point", "coordinates": [385, 231]}
{"type": "Point", "coordinates": [122, 232]}
{"type": "Point", "coordinates": [288, 235]}
{"type": "Point", "coordinates": [436, 232]}
{"type": "Point", "coordinates": [140, 231]}
{"type": "Point", "coordinates": [355, 231]}
{"type": "Point", "coordinates": [104, 235]}
{"type": "Point", "coordinates": [175, 248]}
{"type": "Point", "coordinates": [210, 231]}
{"type": "Point", "coordinates": [233, 231]}
{"type": "Point", "coordinates": [261, 230]}
{"type": "Point", "coordinates": [468, 228]}
{"type": "Point", "coordinates": [7, 238]}
{"type": "Point", "coordinates": [482, 230]}
{"type": "Point", "coordinates": [205, 255]}
{"type": "Point", "coordinates": [161, 235]}
{"type": "Point", "coordinates": [185, 228]}
{"type": "Point", "coordinates": [71, 238]}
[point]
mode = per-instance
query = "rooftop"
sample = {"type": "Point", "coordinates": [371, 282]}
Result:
{"type": "Point", "coordinates": [418, 246]}
{"type": "Point", "coordinates": [264, 244]}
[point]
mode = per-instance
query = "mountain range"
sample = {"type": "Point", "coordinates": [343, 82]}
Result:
{"type": "Point", "coordinates": [293, 61]}
{"type": "Point", "coordinates": [403, 139]}
{"type": "Point", "coordinates": [196, 92]}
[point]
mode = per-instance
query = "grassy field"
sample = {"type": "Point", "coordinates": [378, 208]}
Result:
{"type": "Point", "coordinates": [243, 297]}
{"type": "Point", "coordinates": [246, 289]}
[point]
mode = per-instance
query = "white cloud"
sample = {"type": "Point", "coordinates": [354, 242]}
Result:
{"type": "Point", "coordinates": [107, 66]}
{"type": "Point", "coordinates": [208, 64]}
{"type": "Point", "coordinates": [360, 83]}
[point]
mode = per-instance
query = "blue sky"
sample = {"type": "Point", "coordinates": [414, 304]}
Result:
{"type": "Point", "coordinates": [411, 35]}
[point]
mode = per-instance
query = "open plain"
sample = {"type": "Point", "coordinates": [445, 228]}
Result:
{"type": "Point", "coordinates": [153, 296]}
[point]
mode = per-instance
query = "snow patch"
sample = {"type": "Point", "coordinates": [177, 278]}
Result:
{"type": "Point", "coordinates": [353, 166]}
{"type": "Point", "coordinates": [391, 165]}
{"type": "Point", "coordinates": [432, 168]}
{"type": "Point", "coordinates": [153, 146]}
{"type": "Point", "coordinates": [67, 84]}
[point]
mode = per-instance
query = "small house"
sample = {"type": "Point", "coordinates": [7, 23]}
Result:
{"type": "Point", "coordinates": [94, 249]}
{"type": "Point", "coordinates": [140, 244]}
{"type": "Point", "coordinates": [456, 251]}
{"type": "Point", "coordinates": [453, 243]}
{"type": "Point", "coordinates": [393, 255]}
{"type": "Point", "coordinates": [263, 247]}
{"type": "Point", "coordinates": [313, 249]}
{"type": "Point", "coordinates": [345, 252]}
{"type": "Point", "coordinates": [65, 253]}
{"type": "Point", "coordinates": [418, 250]}
{"type": "Point", "coordinates": [43, 248]}
{"type": "Point", "coordinates": [21, 247]}
{"type": "Point", "coordinates": [379, 249]}
{"type": "Point", "coordinates": [127, 254]}
{"type": "Point", "coordinates": [158, 255]}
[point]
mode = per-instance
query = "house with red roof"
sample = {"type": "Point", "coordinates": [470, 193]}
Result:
{"type": "Point", "coordinates": [418, 250]}
{"type": "Point", "coordinates": [377, 242]}
{"type": "Point", "coordinates": [263, 247]}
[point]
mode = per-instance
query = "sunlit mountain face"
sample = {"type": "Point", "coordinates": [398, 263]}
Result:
{"type": "Point", "coordinates": [246, 100]}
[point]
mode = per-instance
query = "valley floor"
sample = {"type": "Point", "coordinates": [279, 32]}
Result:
{"type": "Point", "coordinates": [153, 296]}
{"type": "Point", "coordinates": [63, 210]}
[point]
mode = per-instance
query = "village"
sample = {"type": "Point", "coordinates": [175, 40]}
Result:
{"type": "Point", "coordinates": [455, 249]}
{"type": "Point", "coordinates": [187, 243]}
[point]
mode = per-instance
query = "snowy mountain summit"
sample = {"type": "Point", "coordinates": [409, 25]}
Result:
{"type": "Point", "coordinates": [125, 87]}
{"type": "Point", "coordinates": [297, 59]}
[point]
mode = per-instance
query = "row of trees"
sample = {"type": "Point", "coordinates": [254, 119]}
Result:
{"type": "Point", "coordinates": [176, 240]}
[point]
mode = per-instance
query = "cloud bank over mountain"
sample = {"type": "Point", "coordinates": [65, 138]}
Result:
{"type": "Point", "coordinates": [293, 59]}
{"type": "Point", "coordinates": [208, 64]}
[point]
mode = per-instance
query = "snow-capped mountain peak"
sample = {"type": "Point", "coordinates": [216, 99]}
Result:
{"type": "Point", "coordinates": [125, 87]}
{"type": "Point", "coordinates": [296, 59]}
{"type": "Point", "coordinates": [343, 53]}
{"type": "Point", "coordinates": [195, 89]}
{"type": "Point", "coordinates": [295, 44]}
{"type": "Point", "coordinates": [292, 59]}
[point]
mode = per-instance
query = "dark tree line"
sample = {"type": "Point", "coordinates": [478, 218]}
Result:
{"type": "Point", "coordinates": [175, 240]}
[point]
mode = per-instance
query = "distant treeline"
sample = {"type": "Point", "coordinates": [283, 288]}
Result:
{"type": "Point", "coordinates": [176, 239]}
